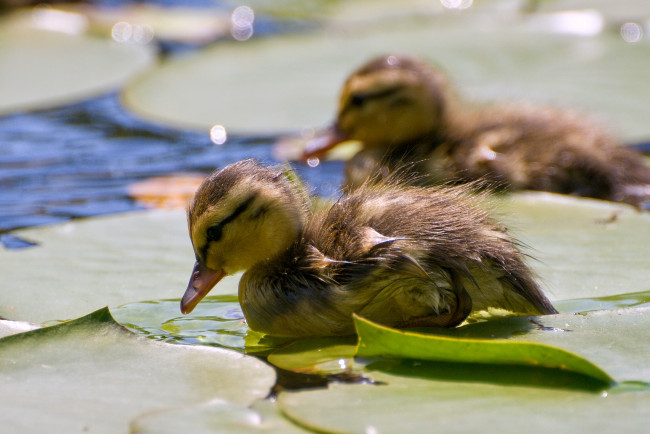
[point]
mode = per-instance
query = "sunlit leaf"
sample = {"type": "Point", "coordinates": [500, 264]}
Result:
{"type": "Point", "coordinates": [171, 191]}
{"type": "Point", "coordinates": [45, 68]}
{"type": "Point", "coordinates": [91, 374]}
{"type": "Point", "coordinates": [299, 84]}
{"type": "Point", "coordinates": [580, 248]}
{"type": "Point", "coordinates": [316, 356]}
{"type": "Point", "coordinates": [83, 265]}
{"type": "Point", "coordinates": [427, 397]}
{"type": "Point", "coordinates": [216, 416]}
{"type": "Point", "coordinates": [379, 341]}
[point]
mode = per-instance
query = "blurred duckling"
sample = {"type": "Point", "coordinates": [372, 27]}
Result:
{"type": "Point", "coordinates": [402, 110]}
{"type": "Point", "coordinates": [399, 255]}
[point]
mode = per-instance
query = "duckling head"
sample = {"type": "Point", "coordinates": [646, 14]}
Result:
{"type": "Point", "coordinates": [240, 216]}
{"type": "Point", "coordinates": [390, 100]}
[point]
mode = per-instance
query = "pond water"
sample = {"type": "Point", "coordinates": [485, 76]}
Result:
{"type": "Point", "coordinates": [78, 161]}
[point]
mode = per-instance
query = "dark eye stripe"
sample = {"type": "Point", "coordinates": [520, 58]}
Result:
{"type": "Point", "coordinates": [215, 232]}
{"type": "Point", "coordinates": [360, 98]}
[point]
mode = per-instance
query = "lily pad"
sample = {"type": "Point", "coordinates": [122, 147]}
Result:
{"type": "Point", "coordinates": [289, 83]}
{"type": "Point", "coordinates": [317, 356]}
{"type": "Point", "coordinates": [612, 339]}
{"type": "Point", "coordinates": [409, 399]}
{"type": "Point", "coordinates": [83, 265]}
{"type": "Point", "coordinates": [379, 341]}
{"type": "Point", "coordinates": [46, 68]}
{"type": "Point", "coordinates": [466, 397]}
{"type": "Point", "coordinates": [91, 374]}
{"type": "Point", "coordinates": [581, 248]}
{"type": "Point", "coordinates": [216, 416]}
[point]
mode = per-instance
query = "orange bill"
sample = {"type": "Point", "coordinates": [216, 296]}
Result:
{"type": "Point", "coordinates": [202, 281]}
{"type": "Point", "coordinates": [323, 142]}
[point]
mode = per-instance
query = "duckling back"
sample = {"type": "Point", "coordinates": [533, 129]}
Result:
{"type": "Point", "coordinates": [398, 255]}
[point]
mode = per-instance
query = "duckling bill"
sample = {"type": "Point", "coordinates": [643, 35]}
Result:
{"type": "Point", "coordinates": [399, 255]}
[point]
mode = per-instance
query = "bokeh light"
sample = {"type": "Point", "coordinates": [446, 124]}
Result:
{"type": "Point", "coordinates": [125, 32]}
{"type": "Point", "coordinates": [218, 134]}
{"type": "Point", "coordinates": [456, 4]}
{"type": "Point", "coordinates": [587, 22]}
{"type": "Point", "coordinates": [242, 19]}
{"type": "Point", "coordinates": [631, 32]}
{"type": "Point", "coordinates": [46, 18]}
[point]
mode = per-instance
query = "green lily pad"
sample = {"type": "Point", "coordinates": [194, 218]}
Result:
{"type": "Point", "coordinates": [378, 341]}
{"type": "Point", "coordinates": [298, 85]}
{"type": "Point", "coordinates": [411, 399]}
{"type": "Point", "coordinates": [91, 374]}
{"type": "Point", "coordinates": [581, 248]}
{"type": "Point", "coordinates": [615, 340]}
{"type": "Point", "coordinates": [632, 299]}
{"type": "Point", "coordinates": [44, 68]}
{"type": "Point", "coordinates": [83, 265]}
{"type": "Point", "coordinates": [216, 416]}
{"type": "Point", "coordinates": [317, 356]}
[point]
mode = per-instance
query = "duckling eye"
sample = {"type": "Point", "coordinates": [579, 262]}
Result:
{"type": "Point", "coordinates": [357, 100]}
{"type": "Point", "coordinates": [215, 232]}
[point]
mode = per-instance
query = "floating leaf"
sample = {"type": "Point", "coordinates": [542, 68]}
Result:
{"type": "Point", "coordinates": [379, 341]}
{"type": "Point", "coordinates": [42, 68]}
{"type": "Point", "coordinates": [316, 356]}
{"type": "Point", "coordinates": [216, 416]}
{"type": "Point", "coordinates": [581, 248]}
{"type": "Point", "coordinates": [91, 374]}
{"type": "Point", "coordinates": [83, 265]}
{"type": "Point", "coordinates": [420, 398]}
{"type": "Point", "coordinates": [302, 75]}
{"type": "Point", "coordinates": [171, 191]}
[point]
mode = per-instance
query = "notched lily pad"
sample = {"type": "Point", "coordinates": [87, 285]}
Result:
{"type": "Point", "coordinates": [93, 374]}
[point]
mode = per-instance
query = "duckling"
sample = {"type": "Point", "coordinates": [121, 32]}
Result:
{"type": "Point", "coordinates": [403, 109]}
{"type": "Point", "coordinates": [400, 255]}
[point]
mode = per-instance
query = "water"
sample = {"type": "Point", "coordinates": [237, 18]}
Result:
{"type": "Point", "coordinates": [78, 161]}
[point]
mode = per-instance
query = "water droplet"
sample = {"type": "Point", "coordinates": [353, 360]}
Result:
{"type": "Point", "coordinates": [313, 162]}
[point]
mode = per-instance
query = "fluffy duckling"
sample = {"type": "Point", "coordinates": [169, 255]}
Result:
{"type": "Point", "coordinates": [399, 255]}
{"type": "Point", "coordinates": [403, 110]}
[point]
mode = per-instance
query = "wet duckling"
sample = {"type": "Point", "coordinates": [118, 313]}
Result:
{"type": "Point", "coordinates": [399, 255]}
{"type": "Point", "coordinates": [403, 110]}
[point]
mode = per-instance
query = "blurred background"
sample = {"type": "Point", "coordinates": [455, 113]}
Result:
{"type": "Point", "coordinates": [111, 106]}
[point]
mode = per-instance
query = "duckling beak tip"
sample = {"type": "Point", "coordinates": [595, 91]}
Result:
{"type": "Point", "coordinates": [203, 279]}
{"type": "Point", "coordinates": [323, 142]}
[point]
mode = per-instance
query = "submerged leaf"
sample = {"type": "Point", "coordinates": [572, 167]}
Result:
{"type": "Point", "coordinates": [379, 341]}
